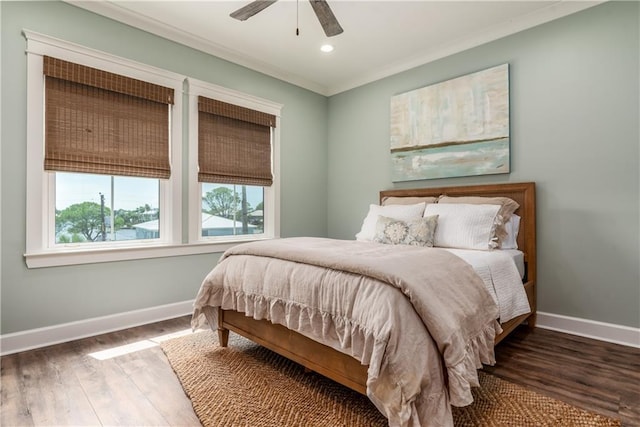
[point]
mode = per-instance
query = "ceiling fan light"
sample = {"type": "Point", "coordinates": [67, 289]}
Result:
{"type": "Point", "coordinates": [326, 48]}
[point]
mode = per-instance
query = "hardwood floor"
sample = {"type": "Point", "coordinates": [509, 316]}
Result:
{"type": "Point", "coordinates": [593, 375]}
{"type": "Point", "coordinates": [63, 385]}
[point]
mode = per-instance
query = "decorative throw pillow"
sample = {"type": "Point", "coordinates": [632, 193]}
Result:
{"type": "Point", "coordinates": [415, 232]}
{"type": "Point", "coordinates": [401, 212]}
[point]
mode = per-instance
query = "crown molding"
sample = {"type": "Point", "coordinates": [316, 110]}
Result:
{"type": "Point", "coordinates": [510, 27]}
{"type": "Point", "coordinates": [114, 11]}
{"type": "Point", "coordinates": [178, 35]}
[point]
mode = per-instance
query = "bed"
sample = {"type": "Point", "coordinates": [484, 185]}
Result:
{"type": "Point", "coordinates": [357, 358]}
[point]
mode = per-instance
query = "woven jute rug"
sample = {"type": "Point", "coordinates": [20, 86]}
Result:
{"type": "Point", "coordinates": [248, 385]}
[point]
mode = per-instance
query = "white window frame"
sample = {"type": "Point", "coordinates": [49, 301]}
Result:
{"type": "Point", "coordinates": [271, 193]}
{"type": "Point", "coordinates": [41, 250]}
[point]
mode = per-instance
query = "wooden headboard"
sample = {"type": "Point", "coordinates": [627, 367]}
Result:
{"type": "Point", "coordinates": [523, 193]}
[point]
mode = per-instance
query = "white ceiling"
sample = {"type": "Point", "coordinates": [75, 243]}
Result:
{"type": "Point", "coordinates": [380, 38]}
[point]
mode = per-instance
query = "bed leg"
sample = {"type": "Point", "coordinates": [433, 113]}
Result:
{"type": "Point", "coordinates": [531, 321]}
{"type": "Point", "coordinates": [223, 333]}
{"type": "Point", "coordinates": [223, 337]}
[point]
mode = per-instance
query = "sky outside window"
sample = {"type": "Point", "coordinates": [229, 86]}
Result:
{"type": "Point", "coordinates": [130, 192]}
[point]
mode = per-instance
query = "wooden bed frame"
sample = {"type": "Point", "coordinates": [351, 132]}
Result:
{"type": "Point", "coordinates": [347, 370]}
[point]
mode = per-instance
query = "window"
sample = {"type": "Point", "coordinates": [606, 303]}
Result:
{"type": "Point", "coordinates": [101, 208]}
{"type": "Point", "coordinates": [94, 198]}
{"type": "Point", "coordinates": [104, 156]}
{"type": "Point", "coordinates": [234, 152]}
{"type": "Point", "coordinates": [232, 210]}
{"type": "Point", "coordinates": [96, 121]}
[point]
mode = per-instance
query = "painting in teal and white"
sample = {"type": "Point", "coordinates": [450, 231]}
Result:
{"type": "Point", "coordinates": [459, 127]}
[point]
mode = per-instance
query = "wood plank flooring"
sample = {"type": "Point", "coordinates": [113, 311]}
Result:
{"type": "Point", "coordinates": [63, 385]}
{"type": "Point", "coordinates": [593, 375]}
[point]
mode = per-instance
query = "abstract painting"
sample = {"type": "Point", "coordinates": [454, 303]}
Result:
{"type": "Point", "coordinates": [459, 127]}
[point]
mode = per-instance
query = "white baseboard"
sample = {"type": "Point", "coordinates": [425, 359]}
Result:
{"type": "Point", "coordinates": [618, 334]}
{"type": "Point", "coordinates": [42, 337]}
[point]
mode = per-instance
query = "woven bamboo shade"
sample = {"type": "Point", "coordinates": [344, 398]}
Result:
{"type": "Point", "coordinates": [234, 144]}
{"type": "Point", "coordinates": [104, 123]}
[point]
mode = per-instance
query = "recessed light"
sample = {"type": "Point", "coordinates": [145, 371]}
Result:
{"type": "Point", "coordinates": [326, 48]}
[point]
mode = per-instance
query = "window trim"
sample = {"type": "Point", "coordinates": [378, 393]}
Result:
{"type": "Point", "coordinates": [39, 251]}
{"type": "Point", "coordinates": [271, 194]}
{"type": "Point", "coordinates": [39, 254]}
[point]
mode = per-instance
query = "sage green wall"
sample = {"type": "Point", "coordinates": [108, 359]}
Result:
{"type": "Point", "coordinates": [574, 131]}
{"type": "Point", "coordinates": [574, 127]}
{"type": "Point", "coordinates": [49, 296]}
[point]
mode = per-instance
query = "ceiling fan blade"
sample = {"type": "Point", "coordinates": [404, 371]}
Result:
{"type": "Point", "coordinates": [251, 9]}
{"type": "Point", "coordinates": [326, 17]}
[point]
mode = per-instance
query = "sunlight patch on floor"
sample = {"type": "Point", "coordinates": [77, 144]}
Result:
{"type": "Point", "coordinates": [138, 345]}
{"type": "Point", "coordinates": [163, 338]}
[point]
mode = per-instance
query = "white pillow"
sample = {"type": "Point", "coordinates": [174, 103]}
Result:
{"type": "Point", "coordinates": [513, 227]}
{"type": "Point", "coordinates": [399, 212]}
{"type": "Point", "coordinates": [464, 226]}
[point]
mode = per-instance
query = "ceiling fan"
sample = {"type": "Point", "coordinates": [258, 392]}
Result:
{"type": "Point", "coordinates": [326, 17]}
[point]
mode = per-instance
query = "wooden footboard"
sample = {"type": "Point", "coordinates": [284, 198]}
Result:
{"type": "Point", "coordinates": [320, 358]}
{"type": "Point", "coordinates": [347, 370]}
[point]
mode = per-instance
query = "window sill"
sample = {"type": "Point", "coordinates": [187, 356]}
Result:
{"type": "Point", "coordinates": [55, 258]}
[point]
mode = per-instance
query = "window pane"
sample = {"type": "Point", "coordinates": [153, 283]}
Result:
{"type": "Point", "coordinates": [87, 205]}
{"type": "Point", "coordinates": [229, 210]}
